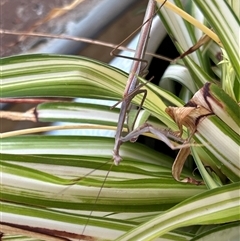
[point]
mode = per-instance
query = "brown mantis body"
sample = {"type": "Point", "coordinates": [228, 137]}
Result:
{"type": "Point", "coordinates": [132, 79]}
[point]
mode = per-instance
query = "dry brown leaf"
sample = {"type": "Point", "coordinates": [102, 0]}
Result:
{"type": "Point", "coordinates": [178, 166]}
{"type": "Point", "coordinates": [187, 116]}
{"type": "Point", "coordinates": [190, 116]}
{"type": "Point", "coordinates": [11, 229]}
{"type": "Point", "coordinates": [29, 115]}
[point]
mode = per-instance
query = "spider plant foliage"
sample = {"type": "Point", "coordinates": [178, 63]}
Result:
{"type": "Point", "coordinates": [49, 183]}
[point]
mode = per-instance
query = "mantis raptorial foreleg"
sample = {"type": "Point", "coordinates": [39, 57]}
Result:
{"type": "Point", "coordinates": [164, 135]}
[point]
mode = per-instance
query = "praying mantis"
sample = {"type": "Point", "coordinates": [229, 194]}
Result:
{"type": "Point", "coordinates": [132, 79]}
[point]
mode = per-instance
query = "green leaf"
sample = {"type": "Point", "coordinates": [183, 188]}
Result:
{"type": "Point", "coordinates": [218, 205]}
{"type": "Point", "coordinates": [224, 232]}
{"type": "Point", "coordinates": [215, 12]}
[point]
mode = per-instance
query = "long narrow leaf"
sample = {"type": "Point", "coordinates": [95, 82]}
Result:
{"type": "Point", "coordinates": [214, 206]}
{"type": "Point", "coordinates": [226, 28]}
